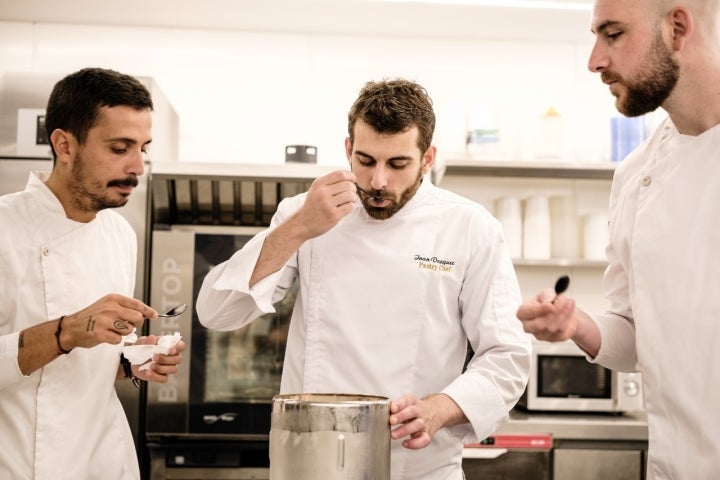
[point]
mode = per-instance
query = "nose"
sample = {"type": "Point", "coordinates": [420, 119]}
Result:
{"type": "Point", "coordinates": [379, 179]}
{"type": "Point", "coordinates": [598, 59]}
{"type": "Point", "coordinates": [136, 163]}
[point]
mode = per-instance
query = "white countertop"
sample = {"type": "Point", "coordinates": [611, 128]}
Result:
{"type": "Point", "coordinates": [579, 426]}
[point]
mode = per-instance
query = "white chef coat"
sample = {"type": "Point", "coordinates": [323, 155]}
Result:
{"type": "Point", "coordinates": [63, 421]}
{"type": "Point", "coordinates": [386, 307]}
{"type": "Point", "coordinates": [663, 282]}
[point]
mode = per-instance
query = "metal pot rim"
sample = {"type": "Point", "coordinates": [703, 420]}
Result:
{"type": "Point", "coordinates": [329, 398]}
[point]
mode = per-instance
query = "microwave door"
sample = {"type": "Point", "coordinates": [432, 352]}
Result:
{"type": "Point", "coordinates": [562, 382]}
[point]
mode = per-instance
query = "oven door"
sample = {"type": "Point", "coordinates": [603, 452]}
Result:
{"type": "Point", "coordinates": [227, 380]}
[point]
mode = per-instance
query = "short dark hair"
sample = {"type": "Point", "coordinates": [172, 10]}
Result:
{"type": "Point", "coordinates": [76, 100]}
{"type": "Point", "coordinates": [394, 106]}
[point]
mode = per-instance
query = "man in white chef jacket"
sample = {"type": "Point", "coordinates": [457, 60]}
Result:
{"type": "Point", "coordinates": [663, 277]}
{"type": "Point", "coordinates": [67, 273]}
{"type": "Point", "coordinates": [396, 276]}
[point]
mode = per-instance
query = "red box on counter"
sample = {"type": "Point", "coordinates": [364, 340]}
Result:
{"type": "Point", "coordinates": [515, 440]}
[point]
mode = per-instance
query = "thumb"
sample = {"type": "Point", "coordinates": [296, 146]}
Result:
{"type": "Point", "coordinates": [546, 295]}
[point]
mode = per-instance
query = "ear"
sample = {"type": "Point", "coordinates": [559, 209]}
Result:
{"type": "Point", "coordinates": [682, 26]}
{"type": "Point", "coordinates": [348, 151]}
{"type": "Point", "coordinates": [62, 144]}
{"type": "Point", "coordinates": [428, 159]}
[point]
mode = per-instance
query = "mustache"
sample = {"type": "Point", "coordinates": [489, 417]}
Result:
{"type": "Point", "coordinates": [130, 181]}
{"type": "Point", "coordinates": [607, 77]}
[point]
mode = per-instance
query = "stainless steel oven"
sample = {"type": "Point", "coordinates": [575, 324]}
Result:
{"type": "Point", "coordinates": [212, 419]}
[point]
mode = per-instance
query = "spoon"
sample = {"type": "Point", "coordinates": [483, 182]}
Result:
{"type": "Point", "coordinates": [561, 285]}
{"type": "Point", "coordinates": [174, 312]}
{"type": "Point", "coordinates": [364, 191]}
{"type": "Point", "coordinates": [369, 194]}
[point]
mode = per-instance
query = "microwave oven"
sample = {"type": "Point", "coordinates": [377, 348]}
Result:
{"type": "Point", "coordinates": [563, 380]}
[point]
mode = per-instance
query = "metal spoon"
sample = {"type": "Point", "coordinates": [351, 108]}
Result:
{"type": "Point", "coordinates": [368, 194]}
{"type": "Point", "coordinates": [561, 285]}
{"type": "Point", "coordinates": [364, 191]}
{"type": "Point", "coordinates": [174, 312]}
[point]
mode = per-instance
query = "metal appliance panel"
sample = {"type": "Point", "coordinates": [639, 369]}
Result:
{"type": "Point", "coordinates": [227, 379]}
{"type": "Point", "coordinates": [214, 415]}
{"type": "Point", "coordinates": [589, 464]}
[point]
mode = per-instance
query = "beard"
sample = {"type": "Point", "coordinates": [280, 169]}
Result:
{"type": "Point", "coordinates": [645, 94]}
{"type": "Point", "coordinates": [383, 213]}
{"type": "Point", "coordinates": [92, 195]}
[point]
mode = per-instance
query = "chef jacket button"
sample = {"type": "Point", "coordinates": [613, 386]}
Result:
{"type": "Point", "coordinates": [646, 180]}
{"type": "Point", "coordinates": [46, 251]}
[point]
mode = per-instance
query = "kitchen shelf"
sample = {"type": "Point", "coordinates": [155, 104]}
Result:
{"type": "Point", "coordinates": [560, 262]}
{"type": "Point", "coordinates": [571, 170]}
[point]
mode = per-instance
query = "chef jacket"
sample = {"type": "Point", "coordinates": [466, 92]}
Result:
{"type": "Point", "coordinates": [387, 307]}
{"type": "Point", "coordinates": [663, 282]}
{"type": "Point", "coordinates": [63, 421]}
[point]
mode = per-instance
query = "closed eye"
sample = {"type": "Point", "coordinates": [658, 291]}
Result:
{"type": "Point", "coordinates": [399, 165]}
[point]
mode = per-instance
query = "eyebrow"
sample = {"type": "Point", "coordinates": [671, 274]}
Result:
{"type": "Point", "coordinates": [370, 157]}
{"type": "Point", "coordinates": [605, 25]}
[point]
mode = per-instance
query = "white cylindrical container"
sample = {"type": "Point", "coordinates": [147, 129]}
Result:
{"type": "Point", "coordinates": [564, 228]}
{"type": "Point", "coordinates": [595, 236]}
{"type": "Point", "coordinates": [509, 211]}
{"type": "Point", "coordinates": [536, 228]}
{"type": "Point", "coordinates": [317, 436]}
{"type": "Point", "coordinates": [549, 136]}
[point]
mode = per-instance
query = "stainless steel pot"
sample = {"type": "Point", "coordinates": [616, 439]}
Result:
{"type": "Point", "coordinates": [330, 437]}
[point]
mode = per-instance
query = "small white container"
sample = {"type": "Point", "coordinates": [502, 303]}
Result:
{"type": "Point", "coordinates": [595, 236]}
{"type": "Point", "coordinates": [509, 211]}
{"type": "Point", "coordinates": [564, 227]}
{"type": "Point", "coordinates": [536, 228]}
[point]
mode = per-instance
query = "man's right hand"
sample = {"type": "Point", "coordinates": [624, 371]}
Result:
{"type": "Point", "coordinates": [549, 317]}
{"type": "Point", "coordinates": [329, 199]}
{"type": "Point", "coordinates": [105, 321]}
{"type": "Point", "coordinates": [555, 318]}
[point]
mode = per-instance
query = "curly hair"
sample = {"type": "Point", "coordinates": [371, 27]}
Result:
{"type": "Point", "coordinates": [394, 106]}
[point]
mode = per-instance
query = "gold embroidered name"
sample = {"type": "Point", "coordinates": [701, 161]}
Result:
{"type": "Point", "coordinates": [435, 264]}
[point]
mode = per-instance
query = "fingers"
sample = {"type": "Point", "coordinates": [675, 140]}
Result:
{"type": "Point", "coordinates": [328, 200]}
{"type": "Point", "coordinates": [549, 320]}
{"type": "Point", "coordinates": [400, 404]}
{"type": "Point", "coordinates": [160, 365]}
{"type": "Point", "coordinates": [409, 419]}
{"type": "Point", "coordinates": [338, 189]}
{"type": "Point", "coordinates": [546, 295]}
{"type": "Point", "coordinates": [339, 176]}
{"type": "Point", "coordinates": [417, 441]}
{"type": "Point", "coordinates": [531, 310]}
{"type": "Point", "coordinates": [107, 320]}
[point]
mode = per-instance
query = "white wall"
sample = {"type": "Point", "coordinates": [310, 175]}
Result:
{"type": "Point", "coordinates": [242, 96]}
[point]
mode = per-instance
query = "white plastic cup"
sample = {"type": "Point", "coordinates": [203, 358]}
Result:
{"type": "Point", "coordinates": [536, 228]}
{"type": "Point", "coordinates": [508, 210]}
{"type": "Point", "coordinates": [564, 227]}
{"type": "Point", "coordinates": [595, 236]}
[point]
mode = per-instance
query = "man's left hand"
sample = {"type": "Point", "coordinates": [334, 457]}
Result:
{"type": "Point", "coordinates": [161, 365]}
{"type": "Point", "coordinates": [420, 419]}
